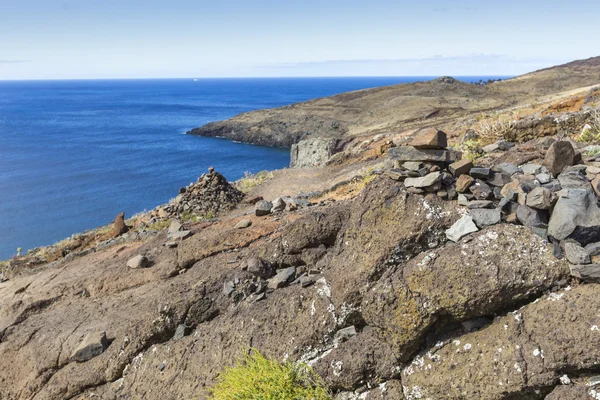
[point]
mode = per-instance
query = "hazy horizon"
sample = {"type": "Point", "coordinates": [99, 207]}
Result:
{"type": "Point", "coordinates": [137, 39]}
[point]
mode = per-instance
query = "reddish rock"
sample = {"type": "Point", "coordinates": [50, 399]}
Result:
{"type": "Point", "coordinates": [119, 225]}
{"type": "Point", "coordinates": [430, 138]}
{"type": "Point", "coordinates": [463, 183]}
{"type": "Point", "coordinates": [460, 167]}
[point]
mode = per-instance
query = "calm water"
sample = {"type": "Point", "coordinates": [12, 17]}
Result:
{"type": "Point", "coordinates": [75, 153]}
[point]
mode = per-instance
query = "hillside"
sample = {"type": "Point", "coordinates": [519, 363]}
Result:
{"type": "Point", "coordinates": [402, 267]}
{"type": "Point", "coordinates": [438, 103]}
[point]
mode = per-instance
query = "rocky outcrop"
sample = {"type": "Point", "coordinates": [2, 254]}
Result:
{"type": "Point", "coordinates": [312, 152]}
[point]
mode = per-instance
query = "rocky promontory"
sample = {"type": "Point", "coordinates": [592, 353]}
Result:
{"type": "Point", "coordinates": [410, 261]}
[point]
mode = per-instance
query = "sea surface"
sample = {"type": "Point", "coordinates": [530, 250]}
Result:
{"type": "Point", "coordinates": [73, 154]}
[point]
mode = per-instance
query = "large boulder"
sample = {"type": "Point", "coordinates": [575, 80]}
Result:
{"type": "Point", "coordinates": [430, 138]}
{"type": "Point", "coordinates": [560, 155]}
{"type": "Point", "coordinates": [522, 355]}
{"type": "Point", "coordinates": [312, 152]}
{"type": "Point", "coordinates": [409, 153]}
{"type": "Point", "coordinates": [576, 215]}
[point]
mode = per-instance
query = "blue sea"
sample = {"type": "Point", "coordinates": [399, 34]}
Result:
{"type": "Point", "coordinates": [73, 154]}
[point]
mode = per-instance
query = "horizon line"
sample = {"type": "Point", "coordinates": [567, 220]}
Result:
{"type": "Point", "coordinates": [257, 77]}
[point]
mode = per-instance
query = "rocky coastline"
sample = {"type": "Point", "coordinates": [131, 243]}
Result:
{"type": "Point", "coordinates": [445, 256]}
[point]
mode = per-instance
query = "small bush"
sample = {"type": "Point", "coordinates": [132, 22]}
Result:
{"type": "Point", "coordinates": [592, 132]}
{"type": "Point", "coordinates": [257, 377]}
{"type": "Point", "coordinates": [250, 181]}
{"type": "Point", "coordinates": [493, 129]}
{"type": "Point", "coordinates": [471, 149]}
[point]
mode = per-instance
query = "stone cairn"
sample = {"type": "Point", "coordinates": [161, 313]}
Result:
{"type": "Point", "coordinates": [208, 196]}
{"type": "Point", "coordinates": [558, 199]}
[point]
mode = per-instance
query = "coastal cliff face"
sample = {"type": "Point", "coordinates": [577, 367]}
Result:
{"type": "Point", "coordinates": [405, 267]}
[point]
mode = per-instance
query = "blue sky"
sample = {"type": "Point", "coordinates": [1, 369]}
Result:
{"type": "Point", "coordinates": [70, 39]}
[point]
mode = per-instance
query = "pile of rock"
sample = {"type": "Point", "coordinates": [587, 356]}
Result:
{"type": "Point", "coordinates": [208, 196]}
{"type": "Point", "coordinates": [557, 199]}
{"type": "Point", "coordinates": [286, 203]}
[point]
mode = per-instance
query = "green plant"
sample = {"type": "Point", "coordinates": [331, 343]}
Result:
{"type": "Point", "coordinates": [592, 152]}
{"type": "Point", "coordinates": [471, 149]}
{"type": "Point", "coordinates": [159, 225]}
{"type": "Point", "coordinates": [250, 181]}
{"type": "Point", "coordinates": [256, 377]}
{"type": "Point", "coordinates": [591, 133]}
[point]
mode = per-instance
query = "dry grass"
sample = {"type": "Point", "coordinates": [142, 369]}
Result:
{"type": "Point", "coordinates": [494, 128]}
{"type": "Point", "coordinates": [250, 181]}
{"type": "Point", "coordinates": [592, 133]}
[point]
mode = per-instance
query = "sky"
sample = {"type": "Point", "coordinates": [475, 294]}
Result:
{"type": "Point", "coordinates": [85, 39]}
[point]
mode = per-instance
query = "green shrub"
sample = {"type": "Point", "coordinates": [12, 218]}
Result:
{"type": "Point", "coordinates": [592, 131]}
{"type": "Point", "coordinates": [256, 377]}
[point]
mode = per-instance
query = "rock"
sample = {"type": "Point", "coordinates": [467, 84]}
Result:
{"type": "Point", "coordinates": [312, 152]}
{"type": "Point", "coordinates": [430, 138]}
{"type": "Point", "coordinates": [259, 267]}
{"type": "Point", "coordinates": [508, 206]}
{"type": "Point", "coordinates": [573, 178]}
{"type": "Point", "coordinates": [93, 345]}
{"type": "Point", "coordinates": [460, 167]}
{"type": "Point", "coordinates": [242, 224]}
{"type": "Point", "coordinates": [519, 188]}
{"type": "Point", "coordinates": [576, 254]}
{"type": "Point", "coordinates": [409, 153]}
{"type": "Point", "coordinates": [306, 281]}
{"type": "Point", "coordinates": [343, 335]}
{"type": "Point", "coordinates": [179, 235]}
{"type": "Point", "coordinates": [498, 179]}
{"type": "Point", "coordinates": [479, 204]}
{"type": "Point", "coordinates": [507, 168]}
{"type": "Point", "coordinates": [490, 148]}
{"type": "Point", "coordinates": [412, 165]}
{"type": "Point", "coordinates": [396, 174]}
{"type": "Point", "coordinates": [481, 190]}
{"type": "Point", "coordinates": [480, 173]}
{"type": "Point", "coordinates": [462, 200]}
{"type": "Point", "coordinates": [138, 261]}
{"type": "Point", "coordinates": [175, 226]}
{"type": "Point", "coordinates": [531, 217]}
{"type": "Point", "coordinates": [282, 278]}
{"type": "Point", "coordinates": [119, 227]}
{"type": "Point", "coordinates": [278, 205]}
{"type": "Point", "coordinates": [559, 156]}
{"type": "Point", "coordinates": [464, 182]}
{"type": "Point", "coordinates": [531, 169]}
{"type": "Point", "coordinates": [425, 181]}
{"type": "Point", "coordinates": [543, 178]}
{"type": "Point", "coordinates": [540, 198]}
{"type": "Point", "coordinates": [253, 199]}
{"type": "Point", "coordinates": [228, 288]}
{"type": "Point", "coordinates": [263, 208]}
{"type": "Point", "coordinates": [461, 228]}
{"type": "Point", "coordinates": [576, 215]}
{"type": "Point", "coordinates": [180, 332]}
{"type": "Point", "coordinates": [503, 145]}
{"type": "Point", "coordinates": [553, 186]}
{"type": "Point", "coordinates": [593, 249]}
{"type": "Point", "coordinates": [485, 217]}
{"type": "Point", "coordinates": [587, 273]}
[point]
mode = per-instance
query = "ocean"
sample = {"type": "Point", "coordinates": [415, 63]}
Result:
{"type": "Point", "coordinates": [73, 154]}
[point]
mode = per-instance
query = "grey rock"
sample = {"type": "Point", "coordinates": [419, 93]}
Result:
{"type": "Point", "coordinates": [588, 273]}
{"type": "Point", "coordinates": [531, 217]}
{"type": "Point", "coordinates": [462, 200]}
{"type": "Point", "coordinates": [278, 205]}
{"type": "Point", "coordinates": [481, 173]}
{"type": "Point", "coordinates": [312, 152]}
{"type": "Point", "coordinates": [478, 204]}
{"type": "Point", "coordinates": [593, 249]}
{"type": "Point", "coordinates": [263, 208]}
{"type": "Point", "coordinates": [498, 179]}
{"type": "Point", "coordinates": [485, 217]}
{"type": "Point", "coordinates": [503, 145]}
{"type": "Point", "coordinates": [409, 153]}
{"type": "Point", "coordinates": [573, 178]}
{"type": "Point", "coordinates": [425, 181]}
{"type": "Point", "coordinates": [543, 178]}
{"type": "Point", "coordinates": [344, 334]}
{"type": "Point", "coordinates": [576, 215]}
{"type": "Point", "coordinates": [490, 148]}
{"type": "Point", "coordinates": [259, 267]}
{"type": "Point", "coordinates": [175, 226]}
{"type": "Point", "coordinates": [576, 254]}
{"type": "Point", "coordinates": [507, 168]}
{"type": "Point", "coordinates": [412, 165]}
{"type": "Point", "coordinates": [179, 235]}
{"type": "Point", "coordinates": [180, 332]}
{"type": "Point", "coordinates": [306, 281]}
{"type": "Point", "coordinates": [242, 224]}
{"type": "Point", "coordinates": [540, 198]}
{"type": "Point", "coordinates": [531, 169]}
{"type": "Point", "coordinates": [461, 228]}
{"type": "Point", "coordinates": [282, 278]}
{"type": "Point", "coordinates": [93, 345]}
{"type": "Point", "coordinates": [460, 167]}
{"type": "Point", "coordinates": [553, 186]}
{"type": "Point", "coordinates": [481, 191]}
{"type": "Point", "coordinates": [228, 288]}
{"type": "Point", "coordinates": [139, 261]}
{"type": "Point", "coordinates": [508, 206]}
